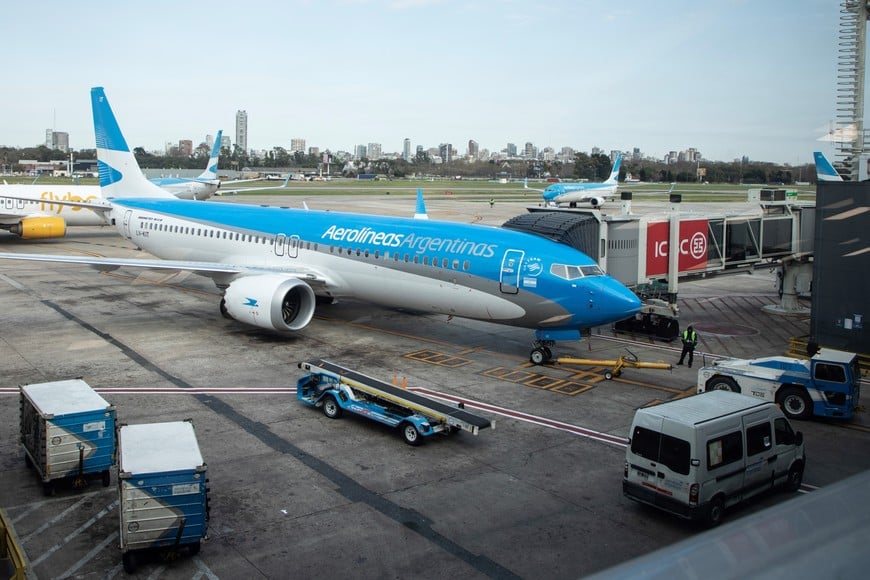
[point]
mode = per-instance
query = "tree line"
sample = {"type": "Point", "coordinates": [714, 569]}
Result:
{"type": "Point", "coordinates": [595, 167]}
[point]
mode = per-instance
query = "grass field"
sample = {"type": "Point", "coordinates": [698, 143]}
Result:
{"type": "Point", "coordinates": [691, 192]}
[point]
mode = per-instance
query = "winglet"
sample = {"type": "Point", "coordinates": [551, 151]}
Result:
{"type": "Point", "coordinates": [420, 213]}
{"type": "Point", "coordinates": [824, 170]}
{"type": "Point", "coordinates": [120, 175]}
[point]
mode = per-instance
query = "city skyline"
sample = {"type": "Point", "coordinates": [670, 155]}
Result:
{"type": "Point", "coordinates": [731, 79]}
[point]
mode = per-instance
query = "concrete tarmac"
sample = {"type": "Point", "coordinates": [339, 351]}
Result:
{"type": "Point", "coordinates": [295, 494]}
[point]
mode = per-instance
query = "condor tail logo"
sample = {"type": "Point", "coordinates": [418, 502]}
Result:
{"type": "Point", "coordinates": [252, 302]}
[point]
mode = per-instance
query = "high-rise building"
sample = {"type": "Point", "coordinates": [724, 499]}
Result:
{"type": "Point", "coordinates": [57, 140]}
{"type": "Point", "coordinates": [226, 142]}
{"type": "Point", "coordinates": [473, 149]}
{"type": "Point", "coordinates": [297, 144]}
{"type": "Point", "coordinates": [406, 150]}
{"type": "Point", "coordinates": [373, 151]}
{"type": "Point", "coordinates": [511, 150]}
{"type": "Point", "coordinates": [359, 152]}
{"type": "Point", "coordinates": [242, 130]}
{"type": "Point", "coordinates": [185, 148]}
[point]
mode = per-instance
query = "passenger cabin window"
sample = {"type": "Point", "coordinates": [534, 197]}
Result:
{"type": "Point", "coordinates": [724, 450]}
{"type": "Point", "coordinates": [758, 439]}
{"type": "Point", "coordinates": [672, 452]}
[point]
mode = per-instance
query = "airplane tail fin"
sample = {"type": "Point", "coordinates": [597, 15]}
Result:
{"type": "Point", "coordinates": [824, 170]}
{"type": "Point", "coordinates": [614, 172]}
{"type": "Point", "coordinates": [420, 213]}
{"type": "Point", "coordinates": [120, 175]}
{"type": "Point", "coordinates": [211, 170]}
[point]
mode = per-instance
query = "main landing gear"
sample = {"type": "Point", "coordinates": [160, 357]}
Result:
{"type": "Point", "coordinates": [541, 352]}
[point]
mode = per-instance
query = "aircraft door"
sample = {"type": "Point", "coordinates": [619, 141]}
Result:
{"type": "Point", "coordinates": [293, 243]}
{"type": "Point", "coordinates": [509, 278]}
{"type": "Point", "coordinates": [279, 244]}
{"type": "Point", "coordinates": [128, 217]}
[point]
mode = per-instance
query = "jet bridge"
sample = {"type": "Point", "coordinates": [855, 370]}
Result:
{"type": "Point", "coordinates": [635, 248]}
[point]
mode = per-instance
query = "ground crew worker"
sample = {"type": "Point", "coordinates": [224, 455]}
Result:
{"type": "Point", "coordinates": [690, 341]}
{"type": "Point", "coordinates": [491, 202]}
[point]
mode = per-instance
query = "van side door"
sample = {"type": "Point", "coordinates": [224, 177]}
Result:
{"type": "Point", "coordinates": [760, 453]}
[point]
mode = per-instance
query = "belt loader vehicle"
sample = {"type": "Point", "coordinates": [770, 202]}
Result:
{"type": "Point", "coordinates": [68, 431]}
{"type": "Point", "coordinates": [826, 385]}
{"type": "Point", "coordinates": [336, 389]}
{"type": "Point", "coordinates": [163, 503]}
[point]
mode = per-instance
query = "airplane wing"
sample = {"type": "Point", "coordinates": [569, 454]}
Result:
{"type": "Point", "coordinates": [202, 268]}
{"type": "Point", "coordinates": [222, 191]}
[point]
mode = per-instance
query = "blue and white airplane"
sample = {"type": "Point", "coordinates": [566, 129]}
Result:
{"type": "Point", "coordinates": [273, 263]}
{"type": "Point", "coordinates": [595, 194]}
{"type": "Point", "coordinates": [201, 187]}
{"type": "Point", "coordinates": [824, 170]}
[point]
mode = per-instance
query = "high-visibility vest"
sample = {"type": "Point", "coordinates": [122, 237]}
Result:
{"type": "Point", "coordinates": [686, 336]}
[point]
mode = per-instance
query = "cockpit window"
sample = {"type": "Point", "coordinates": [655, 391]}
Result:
{"type": "Point", "coordinates": [573, 272]}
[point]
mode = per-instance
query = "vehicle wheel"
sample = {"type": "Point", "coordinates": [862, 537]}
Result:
{"type": "Point", "coordinates": [194, 549]}
{"type": "Point", "coordinates": [795, 478]}
{"type": "Point", "coordinates": [48, 488]}
{"type": "Point", "coordinates": [548, 353]}
{"type": "Point", "coordinates": [608, 375]}
{"type": "Point", "coordinates": [411, 435]}
{"type": "Point", "coordinates": [129, 560]}
{"type": "Point", "coordinates": [331, 408]}
{"type": "Point", "coordinates": [722, 384]}
{"type": "Point", "coordinates": [715, 511]}
{"type": "Point", "coordinates": [107, 478]}
{"type": "Point", "coordinates": [538, 356]}
{"type": "Point", "coordinates": [794, 402]}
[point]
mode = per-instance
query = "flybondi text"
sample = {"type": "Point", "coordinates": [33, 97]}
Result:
{"type": "Point", "coordinates": [418, 244]}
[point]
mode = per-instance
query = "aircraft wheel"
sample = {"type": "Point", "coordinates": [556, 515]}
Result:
{"type": "Point", "coordinates": [107, 478]}
{"type": "Point", "coordinates": [331, 408]}
{"type": "Point", "coordinates": [538, 356]}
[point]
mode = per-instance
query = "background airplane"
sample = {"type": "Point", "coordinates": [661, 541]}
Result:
{"type": "Point", "coordinates": [595, 194]}
{"type": "Point", "coordinates": [273, 262]}
{"type": "Point", "coordinates": [33, 212]}
{"type": "Point", "coordinates": [201, 187]}
{"type": "Point", "coordinates": [824, 170]}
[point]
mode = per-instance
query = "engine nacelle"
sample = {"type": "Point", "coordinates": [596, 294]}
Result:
{"type": "Point", "coordinates": [596, 201]}
{"type": "Point", "coordinates": [270, 301]}
{"type": "Point", "coordinates": [40, 228]}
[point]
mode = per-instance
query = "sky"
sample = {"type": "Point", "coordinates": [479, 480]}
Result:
{"type": "Point", "coordinates": [731, 78]}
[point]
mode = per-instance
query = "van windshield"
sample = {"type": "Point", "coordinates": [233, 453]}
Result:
{"type": "Point", "coordinates": [670, 451]}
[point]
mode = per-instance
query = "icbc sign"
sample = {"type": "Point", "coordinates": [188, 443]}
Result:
{"type": "Point", "coordinates": [693, 246]}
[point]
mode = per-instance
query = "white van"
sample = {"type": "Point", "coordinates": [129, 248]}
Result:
{"type": "Point", "coordinates": [694, 457]}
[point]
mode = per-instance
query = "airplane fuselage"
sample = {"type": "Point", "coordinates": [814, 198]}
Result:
{"type": "Point", "coordinates": [188, 188]}
{"type": "Point", "coordinates": [36, 200]}
{"type": "Point", "coordinates": [561, 193]}
{"type": "Point", "coordinates": [471, 271]}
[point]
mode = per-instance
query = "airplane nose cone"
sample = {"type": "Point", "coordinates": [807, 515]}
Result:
{"type": "Point", "coordinates": [610, 301]}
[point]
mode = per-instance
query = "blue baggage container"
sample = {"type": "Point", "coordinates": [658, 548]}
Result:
{"type": "Point", "coordinates": [67, 430]}
{"type": "Point", "coordinates": [163, 492]}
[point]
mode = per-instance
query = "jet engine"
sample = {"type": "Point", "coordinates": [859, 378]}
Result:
{"type": "Point", "coordinates": [40, 228]}
{"type": "Point", "coordinates": [596, 201]}
{"type": "Point", "coordinates": [270, 301]}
